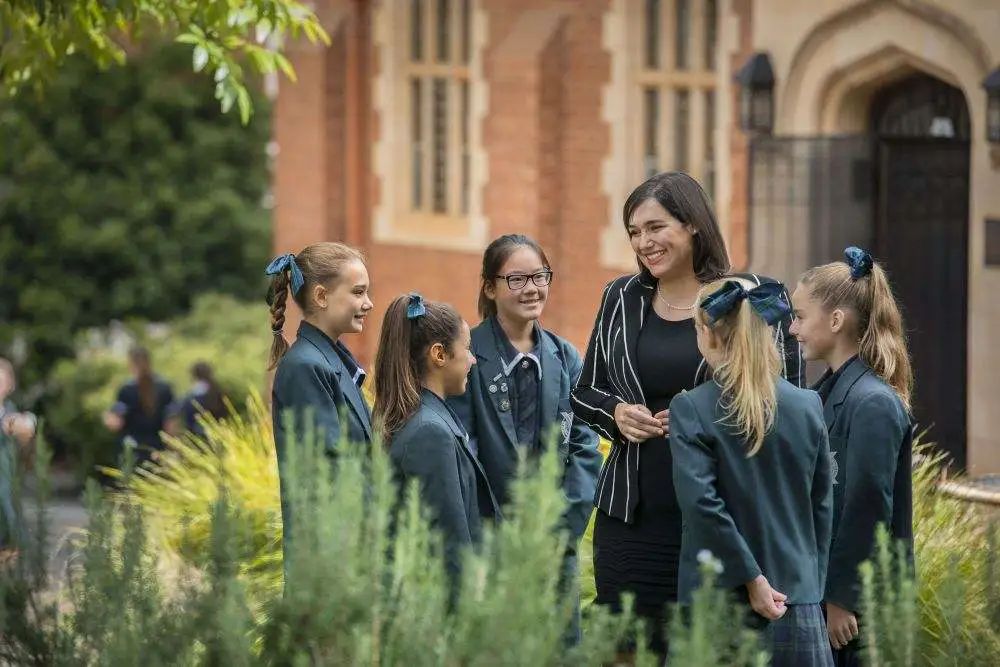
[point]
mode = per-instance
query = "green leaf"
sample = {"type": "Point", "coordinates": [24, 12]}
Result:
{"type": "Point", "coordinates": [199, 58]}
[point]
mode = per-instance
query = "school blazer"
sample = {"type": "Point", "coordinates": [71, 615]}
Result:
{"type": "Point", "coordinates": [769, 514]}
{"type": "Point", "coordinates": [312, 383]}
{"type": "Point", "coordinates": [871, 442]}
{"type": "Point", "coordinates": [492, 430]}
{"type": "Point", "coordinates": [432, 448]}
{"type": "Point", "coordinates": [610, 377]}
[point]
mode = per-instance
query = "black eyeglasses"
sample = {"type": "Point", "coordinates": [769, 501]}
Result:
{"type": "Point", "coordinates": [516, 281]}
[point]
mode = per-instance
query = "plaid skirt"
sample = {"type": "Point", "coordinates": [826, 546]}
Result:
{"type": "Point", "coordinates": [799, 638]}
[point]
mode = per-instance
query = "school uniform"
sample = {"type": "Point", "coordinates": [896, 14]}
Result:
{"type": "Point", "coordinates": [871, 444]}
{"type": "Point", "coordinates": [768, 514]}
{"type": "Point", "coordinates": [514, 403]}
{"type": "Point", "coordinates": [142, 428]}
{"type": "Point", "coordinates": [317, 384]}
{"type": "Point", "coordinates": [432, 447]}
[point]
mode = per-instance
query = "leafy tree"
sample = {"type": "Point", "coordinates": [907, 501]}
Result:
{"type": "Point", "coordinates": [124, 193]}
{"type": "Point", "coordinates": [224, 37]}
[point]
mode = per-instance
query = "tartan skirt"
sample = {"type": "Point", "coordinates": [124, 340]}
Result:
{"type": "Point", "coordinates": [799, 638]}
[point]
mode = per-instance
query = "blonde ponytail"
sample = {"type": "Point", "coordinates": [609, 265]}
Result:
{"type": "Point", "coordinates": [749, 372]}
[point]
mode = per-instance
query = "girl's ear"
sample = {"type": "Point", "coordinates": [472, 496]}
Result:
{"type": "Point", "coordinates": [837, 320]}
{"type": "Point", "coordinates": [437, 355]}
{"type": "Point", "coordinates": [321, 296]}
{"type": "Point", "coordinates": [490, 289]}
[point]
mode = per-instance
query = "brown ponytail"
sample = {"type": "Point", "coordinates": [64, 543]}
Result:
{"type": "Point", "coordinates": [400, 363]}
{"type": "Point", "coordinates": [139, 356]}
{"type": "Point", "coordinates": [879, 327]}
{"type": "Point", "coordinates": [320, 264]}
{"type": "Point", "coordinates": [277, 295]}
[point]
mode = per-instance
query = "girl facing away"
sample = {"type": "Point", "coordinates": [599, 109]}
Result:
{"type": "Point", "coordinates": [751, 466]}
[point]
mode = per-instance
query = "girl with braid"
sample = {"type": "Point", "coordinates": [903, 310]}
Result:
{"type": "Point", "coordinates": [318, 381]}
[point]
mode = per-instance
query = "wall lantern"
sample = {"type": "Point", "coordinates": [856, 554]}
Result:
{"type": "Point", "coordinates": [756, 78]}
{"type": "Point", "coordinates": [992, 86]}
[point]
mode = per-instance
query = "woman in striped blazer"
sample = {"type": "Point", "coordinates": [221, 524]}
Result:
{"type": "Point", "coordinates": [642, 352]}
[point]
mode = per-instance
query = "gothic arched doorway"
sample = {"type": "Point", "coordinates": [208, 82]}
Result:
{"type": "Point", "coordinates": [920, 127]}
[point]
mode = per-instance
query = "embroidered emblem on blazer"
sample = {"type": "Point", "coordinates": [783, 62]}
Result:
{"type": "Point", "coordinates": [566, 425]}
{"type": "Point", "coordinates": [834, 467]}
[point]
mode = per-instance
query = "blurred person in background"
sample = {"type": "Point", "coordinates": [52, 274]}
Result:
{"type": "Point", "coordinates": [139, 413]}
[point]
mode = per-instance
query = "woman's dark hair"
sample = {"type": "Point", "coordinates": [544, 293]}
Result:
{"type": "Point", "coordinates": [212, 400]}
{"type": "Point", "coordinates": [495, 255]}
{"type": "Point", "coordinates": [684, 199]}
{"type": "Point", "coordinates": [400, 363]}
{"type": "Point", "coordinates": [139, 356]}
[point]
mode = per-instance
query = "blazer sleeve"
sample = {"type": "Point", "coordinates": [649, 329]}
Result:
{"type": "Point", "coordinates": [464, 408]}
{"type": "Point", "coordinates": [583, 463]}
{"type": "Point", "coordinates": [822, 494]}
{"type": "Point", "coordinates": [308, 393]}
{"type": "Point", "coordinates": [428, 455]}
{"type": "Point", "coordinates": [592, 399]}
{"type": "Point", "coordinates": [707, 523]}
{"type": "Point", "coordinates": [877, 430]}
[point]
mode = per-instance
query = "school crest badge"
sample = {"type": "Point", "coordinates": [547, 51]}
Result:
{"type": "Point", "coordinates": [566, 425]}
{"type": "Point", "coordinates": [834, 467]}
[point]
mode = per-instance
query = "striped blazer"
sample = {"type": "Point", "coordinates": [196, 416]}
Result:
{"type": "Point", "coordinates": [610, 377]}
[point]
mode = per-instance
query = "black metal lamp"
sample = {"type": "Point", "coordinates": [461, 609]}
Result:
{"type": "Point", "coordinates": [992, 86]}
{"type": "Point", "coordinates": [756, 78]}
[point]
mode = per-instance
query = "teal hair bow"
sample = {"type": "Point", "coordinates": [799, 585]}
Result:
{"type": "Point", "coordinates": [280, 264]}
{"type": "Point", "coordinates": [768, 299]}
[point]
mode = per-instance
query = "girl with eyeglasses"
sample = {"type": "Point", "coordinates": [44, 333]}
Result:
{"type": "Point", "coordinates": [517, 399]}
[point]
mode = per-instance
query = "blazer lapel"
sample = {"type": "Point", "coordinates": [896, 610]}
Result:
{"type": "Point", "coordinates": [838, 394]}
{"type": "Point", "coordinates": [491, 371]}
{"type": "Point", "coordinates": [635, 300]}
{"type": "Point", "coordinates": [440, 408]}
{"type": "Point", "coordinates": [551, 380]}
{"type": "Point", "coordinates": [351, 391]}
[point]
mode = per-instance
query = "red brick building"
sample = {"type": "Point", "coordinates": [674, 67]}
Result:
{"type": "Point", "coordinates": [428, 127]}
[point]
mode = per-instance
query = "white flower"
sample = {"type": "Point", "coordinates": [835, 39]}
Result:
{"type": "Point", "coordinates": [705, 557]}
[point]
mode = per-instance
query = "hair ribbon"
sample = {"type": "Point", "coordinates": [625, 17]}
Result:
{"type": "Point", "coordinates": [415, 308]}
{"type": "Point", "coordinates": [767, 299]}
{"type": "Point", "coordinates": [280, 264]}
{"type": "Point", "coordinates": [860, 262]}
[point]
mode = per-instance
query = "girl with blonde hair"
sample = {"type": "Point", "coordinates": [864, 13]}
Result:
{"type": "Point", "coordinates": [751, 466]}
{"type": "Point", "coordinates": [847, 317]}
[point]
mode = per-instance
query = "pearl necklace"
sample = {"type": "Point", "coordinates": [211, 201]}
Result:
{"type": "Point", "coordinates": [670, 305]}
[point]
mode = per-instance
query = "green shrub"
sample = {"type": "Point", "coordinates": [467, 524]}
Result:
{"type": "Point", "coordinates": [230, 334]}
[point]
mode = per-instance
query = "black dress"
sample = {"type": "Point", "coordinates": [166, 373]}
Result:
{"type": "Point", "coordinates": [642, 558]}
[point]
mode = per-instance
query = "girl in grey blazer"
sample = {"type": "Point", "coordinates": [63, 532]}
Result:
{"type": "Point", "coordinates": [751, 465]}
{"type": "Point", "coordinates": [424, 357]}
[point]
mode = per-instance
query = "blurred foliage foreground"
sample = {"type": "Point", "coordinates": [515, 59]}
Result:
{"type": "Point", "coordinates": [183, 565]}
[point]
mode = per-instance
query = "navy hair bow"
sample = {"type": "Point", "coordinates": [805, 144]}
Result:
{"type": "Point", "coordinates": [860, 261]}
{"type": "Point", "coordinates": [283, 262]}
{"type": "Point", "coordinates": [768, 299]}
{"type": "Point", "coordinates": [415, 308]}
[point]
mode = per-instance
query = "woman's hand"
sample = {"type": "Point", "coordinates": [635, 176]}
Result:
{"type": "Point", "coordinates": [113, 421]}
{"type": "Point", "coordinates": [637, 423]}
{"type": "Point", "coordinates": [766, 601]}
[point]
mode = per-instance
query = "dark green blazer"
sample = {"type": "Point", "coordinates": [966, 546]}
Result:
{"type": "Point", "coordinates": [432, 447]}
{"type": "Point", "coordinates": [769, 514]}
{"type": "Point", "coordinates": [491, 427]}
{"type": "Point", "coordinates": [871, 440]}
